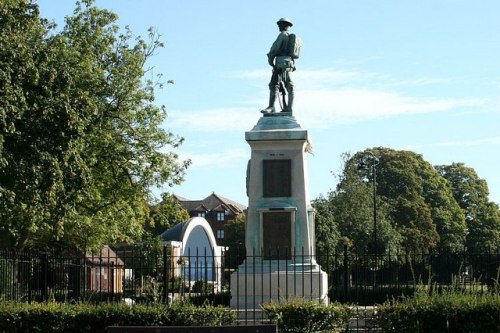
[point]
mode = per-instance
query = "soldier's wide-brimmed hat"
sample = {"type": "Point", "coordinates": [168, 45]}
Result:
{"type": "Point", "coordinates": [285, 20]}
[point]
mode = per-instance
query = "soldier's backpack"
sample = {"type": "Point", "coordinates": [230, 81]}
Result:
{"type": "Point", "coordinates": [290, 52]}
{"type": "Point", "coordinates": [293, 46]}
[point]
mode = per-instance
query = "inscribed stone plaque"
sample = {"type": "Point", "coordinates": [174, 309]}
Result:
{"type": "Point", "coordinates": [277, 235]}
{"type": "Point", "coordinates": [277, 180]}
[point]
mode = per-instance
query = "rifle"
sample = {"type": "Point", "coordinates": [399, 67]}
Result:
{"type": "Point", "coordinates": [282, 90]}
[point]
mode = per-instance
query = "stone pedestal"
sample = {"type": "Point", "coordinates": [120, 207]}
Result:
{"type": "Point", "coordinates": [279, 234]}
{"type": "Point", "coordinates": [262, 281]}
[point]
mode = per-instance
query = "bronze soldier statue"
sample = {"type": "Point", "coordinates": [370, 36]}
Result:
{"type": "Point", "coordinates": [281, 58]}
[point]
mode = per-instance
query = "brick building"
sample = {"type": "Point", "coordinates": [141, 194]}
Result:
{"type": "Point", "coordinates": [216, 209]}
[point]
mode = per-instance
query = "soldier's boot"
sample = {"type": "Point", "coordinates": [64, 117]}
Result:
{"type": "Point", "coordinates": [291, 95]}
{"type": "Point", "coordinates": [272, 100]}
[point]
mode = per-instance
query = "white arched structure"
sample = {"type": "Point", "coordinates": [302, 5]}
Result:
{"type": "Point", "coordinates": [194, 245]}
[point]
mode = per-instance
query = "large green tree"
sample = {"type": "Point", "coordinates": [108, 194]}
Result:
{"type": "Point", "coordinates": [80, 137]}
{"type": "Point", "coordinates": [165, 214]}
{"type": "Point", "coordinates": [327, 233]}
{"type": "Point", "coordinates": [346, 216]}
{"type": "Point", "coordinates": [234, 241]}
{"type": "Point", "coordinates": [414, 205]}
{"type": "Point", "coordinates": [234, 237]}
{"type": "Point", "coordinates": [481, 215]}
{"type": "Point", "coordinates": [422, 204]}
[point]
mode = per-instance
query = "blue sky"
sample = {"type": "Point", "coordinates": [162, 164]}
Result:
{"type": "Point", "coordinates": [415, 75]}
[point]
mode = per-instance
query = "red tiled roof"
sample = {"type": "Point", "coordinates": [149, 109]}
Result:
{"type": "Point", "coordinates": [212, 202]}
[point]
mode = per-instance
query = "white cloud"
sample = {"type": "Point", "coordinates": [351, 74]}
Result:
{"type": "Point", "coordinates": [461, 143]}
{"type": "Point", "coordinates": [252, 74]}
{"type": "Point", "coordinates": [215, 120]}
{"type": "Point", "coordinates": [221, 160]}
{"type": "Point", "coordinates": [320, 109]}
{"type": "Point", "coordinates": [415, 82]}
{"type": "Point", "coordinates": [328, 107]}
{"type": "Point", "coordinates": [324, 98]}
{"type": "Point", "coordinates": [319, 79]}
{"type": "Point", "coordinates": [469, 143]}
{"type": "Point", "coordinates": [309, 77]}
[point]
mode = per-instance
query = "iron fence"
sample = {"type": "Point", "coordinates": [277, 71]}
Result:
{"type": "Point", "coordinates": [135, 274]}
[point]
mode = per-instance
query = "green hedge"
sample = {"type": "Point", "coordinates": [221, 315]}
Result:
{"type": "Point", "coordinates": [222, 299]}
{"type": "Point", "coordinates": [453, 311]}
{"type": "Point", "coordinates": [308, 316]}
{"type": "Point", "coordinates": [79, 318]}
{"type": "Point", "coordinates": [363, 295]}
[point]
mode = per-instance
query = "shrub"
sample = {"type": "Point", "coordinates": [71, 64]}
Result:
{"type": "Point", "coordinates": [215, 299]}
{"type": "Point", "coordinates": [449, 311]}
{"type": "Point", "coordinates": [202, 286]}
{"type": "Point", "coordinates": [308, 316]}
{"type": "Point", "coordinates": [362, 295]}
{"type": "Point", "coordinates": [80, 318]}
{"type": "Point", "coordinates": [177, 284]}
{"type": "Point", "coordinates": [187, 314]}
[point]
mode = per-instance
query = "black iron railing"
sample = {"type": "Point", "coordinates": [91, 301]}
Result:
{"type": "Point", "coordinates": [135, 275]}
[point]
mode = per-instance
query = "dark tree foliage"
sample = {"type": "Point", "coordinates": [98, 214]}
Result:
{"type": "Point", "coordinates": [327, 234]}
{"type": "Point", "coordinates": [166, 214]}
{"type": "Point", "coordinates": [414, 206]}
{"type": "Point", "coordinates": [347, 214]}
{"type": "Point", "coordinates": [80, 137]}
{"type": "Point", "coordinates": [423, 206]}
{"type": "Point", "coordinates": [481, 215]}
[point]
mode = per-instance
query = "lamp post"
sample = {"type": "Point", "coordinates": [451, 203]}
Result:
{"type": "Point", "coordinates": [362, 165]}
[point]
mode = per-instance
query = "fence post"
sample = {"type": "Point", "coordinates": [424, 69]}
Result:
{"type": "Point", "coordinates": [32, 277]}
{"type": "Point", "coordinates": [44, 277]}
{"type": "Point", "coordinates": [346, 273]}
{"type": "Point", "coordinates": [165, 273]}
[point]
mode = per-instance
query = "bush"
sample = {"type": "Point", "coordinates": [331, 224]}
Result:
{"type": "Point", "coordinates": [187, 314]}
{"type": "Point", "coordinates": [363, 295]}
{"type": "Point", "coordinates": [202, 286]}
{"type": "Point", "coordinates": [80, 318]}
{"type": "Point", "coordinates": [308, 316]}
{"type": "Point", "coordinates": [449, 311]}
{"type": "Point", "coordinates": [215, 299]}
{"type": "Point", "coordinates": [177, 284]}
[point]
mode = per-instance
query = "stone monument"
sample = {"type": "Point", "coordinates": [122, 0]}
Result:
{"type": "Point", "coordinates": [279, 231]}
